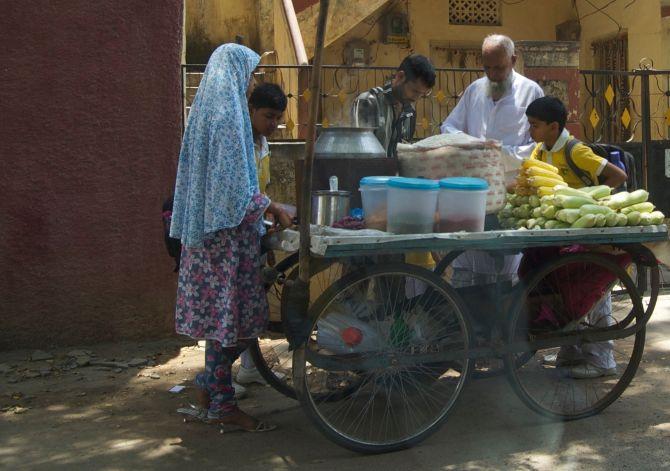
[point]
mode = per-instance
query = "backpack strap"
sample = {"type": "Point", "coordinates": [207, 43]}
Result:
{"type": "Point", "coordinates": [631, 171]}
{"type": "Point", "coordinates": [376, 91]}
{"type": "Point", "coordinates": [581, 174]}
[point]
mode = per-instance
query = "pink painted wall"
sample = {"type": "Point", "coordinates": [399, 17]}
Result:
{"type": "Point", "coordinates": [90, 135]}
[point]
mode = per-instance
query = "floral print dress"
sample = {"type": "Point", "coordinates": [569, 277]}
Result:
{"type": "Point", "coordinates": [220, 293]}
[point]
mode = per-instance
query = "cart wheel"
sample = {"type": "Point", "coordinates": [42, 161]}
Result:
{"type": "Point", "coordinates": [270, 353]}
{"type": "Point", "coordinates": [544, 311]}
{"type": "Point", "coordinates": [645, 273]}
{"type": "Point", "coordinates": [639, 274]}
{"type": "Point", "coordinates": [356, 376]}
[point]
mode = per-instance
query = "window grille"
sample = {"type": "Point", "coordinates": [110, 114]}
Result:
{"type": "Point", "coordinates": [474, 12]}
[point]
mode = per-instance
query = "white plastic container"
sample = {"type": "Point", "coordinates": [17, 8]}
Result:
{"type": "Point", "coordinates": [412, 203]}
{"type": "Point", "coordinates": [462, 204]}
{"type": "Point", "coordinates": [374, 197]}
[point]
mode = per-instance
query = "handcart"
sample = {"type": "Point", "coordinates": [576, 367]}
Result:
{"type": "Point", "coordinates": [382, 355]}
{"type": "Point", "coordinates": [387, 347]}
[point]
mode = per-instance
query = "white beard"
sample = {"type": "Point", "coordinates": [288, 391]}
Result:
{"type": "Point", "coordinates": [496, 90]}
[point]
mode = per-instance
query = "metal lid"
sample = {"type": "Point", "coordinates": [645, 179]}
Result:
{"type": "Point", "coordinates": [346, 128]}
{"type": "Point", "coordinates": [413, 183]}
{"type": "Point", "coordinates": [374, 181]}
{"type": "Point", "coordinates": [464, 184]}
{"type": "Point", "coordinates": [348, 143]}
{"type": "Point", "coordinates": [331, 193]}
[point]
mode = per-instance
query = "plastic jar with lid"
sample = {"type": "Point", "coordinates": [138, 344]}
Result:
{"type": "Point", "coordinates": [374, 197]}
{"type": "Point", "coordinates": [462, 204]}
{"type": "Point", "coordinates": [412, 203]}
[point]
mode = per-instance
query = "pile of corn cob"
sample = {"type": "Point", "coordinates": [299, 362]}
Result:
{"type": "Point", "coordinates": [537, 178]}
{"type": "Point", "coordinates": [542, 200]}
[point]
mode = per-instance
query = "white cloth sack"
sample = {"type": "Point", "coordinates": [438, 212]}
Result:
{"type": "Point", "coordinates": [457, 155]}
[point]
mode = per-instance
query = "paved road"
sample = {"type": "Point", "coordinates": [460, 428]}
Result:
{"type": "Point", "coordinates": [126, 421]}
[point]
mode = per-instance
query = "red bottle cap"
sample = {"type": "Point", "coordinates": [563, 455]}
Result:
{"type": "Point", "coordinates": [351, 336]}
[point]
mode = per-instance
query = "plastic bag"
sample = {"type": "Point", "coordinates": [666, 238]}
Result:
{"type": "Point", "coordinates": [345, 330]}
{"type": "Point", "coordinates": [457, 155]}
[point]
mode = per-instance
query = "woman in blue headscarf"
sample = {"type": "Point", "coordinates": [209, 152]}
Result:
{"type": "Point", "coordinates": [217, 215]}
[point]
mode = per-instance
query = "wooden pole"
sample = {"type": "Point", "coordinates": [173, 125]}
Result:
{"type": "Point", "coordinates": [315, 90]}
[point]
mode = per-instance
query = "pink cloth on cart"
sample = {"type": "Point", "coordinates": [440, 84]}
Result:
{"type": "Point", "coordinates": [580, 286]}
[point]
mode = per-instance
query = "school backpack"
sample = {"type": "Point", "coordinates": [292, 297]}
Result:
{"type": "Point", "coordinates": [172, 245]}
{"type": "Point", "coordinates": [603, 150]}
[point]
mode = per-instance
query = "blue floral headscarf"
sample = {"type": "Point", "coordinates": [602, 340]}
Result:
{"type": "Point", "coordinates": [216, 177]}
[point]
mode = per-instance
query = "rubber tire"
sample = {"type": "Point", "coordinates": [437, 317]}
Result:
{"type": "Point", "coordinates": [649, 279]}
{"type": "Point", "coordinates": [288, 267]}
{"type": "Point", "coordinates": [299, 357]}
{"type": "Point", "coordinates": [636, 354]}
{"type": "Point", "coordinates": [285, 266]}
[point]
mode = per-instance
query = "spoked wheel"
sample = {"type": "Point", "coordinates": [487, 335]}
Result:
{"type": "Point", "coordinates": [271, 354]}
{"type": "Point", "coordinates": [563, 303]}
{"type": "Point", "coordinates": [645, 273]}
{"type": "Point", "coordinates": [640, 276]}
{"type": "Point", "coordinates": [386, 359]}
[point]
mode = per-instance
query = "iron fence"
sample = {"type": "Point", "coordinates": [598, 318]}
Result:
{"type": "Point", "coordinates": [626, 107]}
{"type": "Point", "coordinates": [340, 86]}
{"type": "Point", "coordinates": [620, 106]}
{"type": "Point", "coordinates": [631, 107]}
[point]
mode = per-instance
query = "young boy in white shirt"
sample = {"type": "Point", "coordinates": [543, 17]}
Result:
{"type": "Point", "coordinates": [267, 104]}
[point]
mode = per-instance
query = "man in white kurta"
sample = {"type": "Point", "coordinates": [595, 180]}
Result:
{"type": "Point", "coordinates": [504, 120]}
{"type": "Point", "coordinates": [494, 107]}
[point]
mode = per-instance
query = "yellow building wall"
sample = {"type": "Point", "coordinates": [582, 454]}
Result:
{"type": "Point", "coordinates": [429, 26]}
{"type": "Point", "coordinates": [262, 23]}
{"type": "Point", "coordinates": [342, 16]}
{"type": "Point", "coordinates": [665, 43]}
{"type": "Point", "coordinates": [647, 34]}
{"type": "Point", "coordinates": [284, 54]}
{"type": "Point", "coordinates": [641, 21]}
{"type": "Point", "coordinates": [429, 21]}
{"type": "Point", "coordinates": [210, 23]}
{"type": "Point", "coordinates": [665, 47]}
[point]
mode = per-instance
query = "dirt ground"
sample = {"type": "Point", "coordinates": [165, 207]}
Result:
{"type": "Point", "coordinates": [107, 415]}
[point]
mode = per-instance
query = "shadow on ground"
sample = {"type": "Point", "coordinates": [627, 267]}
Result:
{"type": "Point", "coordinates": [128, 421]}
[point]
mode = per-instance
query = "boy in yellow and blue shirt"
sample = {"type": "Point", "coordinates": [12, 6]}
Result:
{"type": "Point", "coordinates": [547, 117]}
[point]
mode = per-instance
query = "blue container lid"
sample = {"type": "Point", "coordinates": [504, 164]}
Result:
{"type": "Point", "coordinates": [413, 183]}
{"type": "Point", "coordinates": [374, 181]}
{"type": "Point", "coordinates": [464, 184]}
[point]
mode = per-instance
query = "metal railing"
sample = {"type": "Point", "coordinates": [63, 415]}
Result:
{"type": "Point", "coordinates": [626, 107]}
{"type": "Point", "coordinates": [615, 106]}
{"type": "Point", "coordinates": [340, 86]}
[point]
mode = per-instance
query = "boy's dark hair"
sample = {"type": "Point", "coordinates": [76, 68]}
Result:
{"type": "Point", "coordinates": [268, 95]}
{"type": "Point", "coordinates": [418, 67]}
{"type": "Point", "coordinates": [548, 109]}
